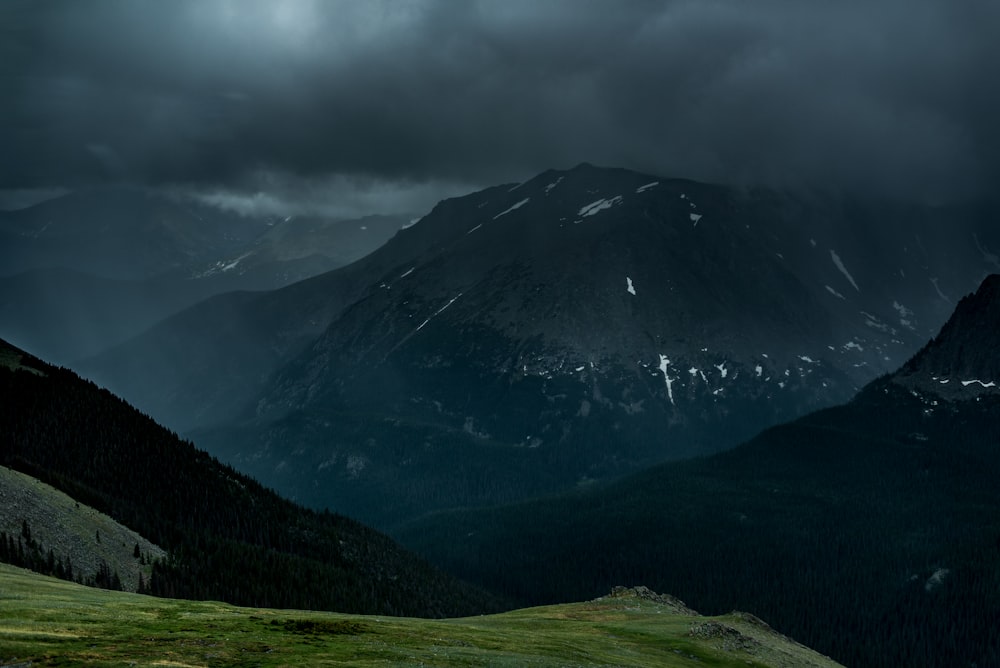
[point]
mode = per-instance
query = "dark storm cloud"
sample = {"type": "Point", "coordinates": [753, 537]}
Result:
{"type": "Point", "coordinates": [892, 96]}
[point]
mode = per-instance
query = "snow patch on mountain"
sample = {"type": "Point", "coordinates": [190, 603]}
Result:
{"type": "Point", "coordinates": [223, 266]}
{"type": "Point", "coordinates": [934, 282]}
{"type": "Point", "coordinates": [905, 315]}
{"type": "Point", "coordinates": [695, 217]}
{"type": "Point", "coordinates": [598, 206]}
{"type": "Point", "coordinates": [992, 258]}
{"type": "Point", "coordinates": [642, 189]}
{"type": "Point", "coordinates": [232, 265]}
{"type": "Point", "coordinates": [695, 371]}
{"type": "Point", "coordinates": [834, 292]}
{"type": "Point", "coordinates": [438, 312]}
{"type": "Point", "coordinates": [515, 207]}
{"type": "Point", "coordinates": [629, 286]}
{"type": "Point", "coordinates": [873, 322]}
{"type": "Point", "coordinates": [552, 185]}
{"type": "Point", "coordinates": [840, 265]}
{"type": "Point", "coordinates": [664, 368]}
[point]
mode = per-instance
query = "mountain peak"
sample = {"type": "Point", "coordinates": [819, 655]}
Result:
{"type": "Point", "coordinates": [961, 361]}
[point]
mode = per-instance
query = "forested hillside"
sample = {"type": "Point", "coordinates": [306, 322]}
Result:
{"type": "Point", "coordinates": [870, 532]}
{"type": "Point", "coordinates": [228, 538]}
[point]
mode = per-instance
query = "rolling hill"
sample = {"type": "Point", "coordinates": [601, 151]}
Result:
{"type": "Point", "coordinates": [44, 620]}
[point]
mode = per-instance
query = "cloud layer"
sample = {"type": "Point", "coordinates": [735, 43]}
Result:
{"type": "Point", "coordinates": [886, 96]}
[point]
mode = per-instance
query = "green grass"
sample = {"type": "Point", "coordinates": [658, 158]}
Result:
{"type": "Point", "coordinates": [50, 622]}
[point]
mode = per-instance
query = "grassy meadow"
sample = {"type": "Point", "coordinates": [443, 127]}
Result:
{"type": "Point", "coordinates": [44, 621]}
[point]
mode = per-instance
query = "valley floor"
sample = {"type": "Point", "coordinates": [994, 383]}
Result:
{"type": "Point", "coordinates": [44, 621]}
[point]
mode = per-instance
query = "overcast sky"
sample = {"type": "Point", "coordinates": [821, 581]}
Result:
{"type": "Point", "coordinates": [392, 104]}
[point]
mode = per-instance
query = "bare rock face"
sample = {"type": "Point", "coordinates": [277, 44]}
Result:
{"type": "Point", "coordinates": [528, 339]}
{"type": "Point", "coordinates": [643, 593]}
{"type": "Point", "coordinates": [961, 361]}
{"type": "Point", "coordinates": [731, 639]}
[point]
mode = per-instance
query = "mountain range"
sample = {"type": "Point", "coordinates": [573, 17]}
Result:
{"type": "Point", "coordinates": [231, 540]}
{"type": "Point", "coordinates": [507, 384]}
{"type": "Point", "coordinates": [870, 531]}
{"type": "Point", "coordinates": [535, 337]}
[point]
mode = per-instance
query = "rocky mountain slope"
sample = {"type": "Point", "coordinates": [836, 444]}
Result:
{"type": "Point", "coordinates": [961, 361]}
{"type": "Point", "coordinates": [534, 337]}
{"type": "Point", "coordinates": [879, 516]}
{"type": "Point", "coordinates": [588, 323]}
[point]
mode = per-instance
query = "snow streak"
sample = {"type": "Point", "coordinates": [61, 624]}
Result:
{"type": "Point", "coordinates": [843, 269]}
{"type": "Point", "coordinates": [664, 365]}
{"type": "Point", "coordinates": [438, 312]}
{"type": "Point", "coordinates": [599, 205]}
{"type": "Point", "coordinates": [516, 206]}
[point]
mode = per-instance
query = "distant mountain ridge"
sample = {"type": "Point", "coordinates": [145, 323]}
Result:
{"type": "Point", "coordinates": [120, 233]}
{"type": "Point", "coordinates": [94, 268]}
